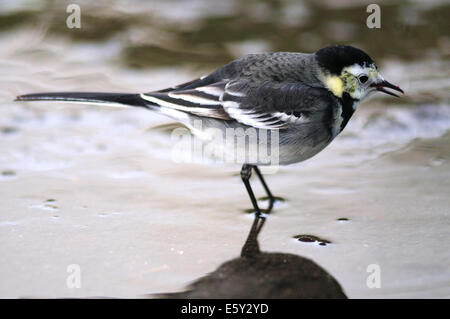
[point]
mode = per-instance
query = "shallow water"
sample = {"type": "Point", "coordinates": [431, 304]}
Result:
{"type": "Point", "coordinates": [97, 187]}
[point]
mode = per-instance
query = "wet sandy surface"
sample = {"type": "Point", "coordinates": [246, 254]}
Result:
{"type": "Point", "coordinates": [137, 224]}
{"type": "Point", "coordinates": [98, 188]}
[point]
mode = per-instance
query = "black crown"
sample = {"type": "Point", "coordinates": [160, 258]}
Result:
{"type": "Point", "coordinates": [336, 57]}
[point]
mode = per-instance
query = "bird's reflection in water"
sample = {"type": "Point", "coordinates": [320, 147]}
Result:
{"type": "Point", "coordinates": [257, 274]}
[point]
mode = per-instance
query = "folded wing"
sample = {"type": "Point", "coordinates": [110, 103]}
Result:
{"type": "Point", "coordinates": [270, 105]}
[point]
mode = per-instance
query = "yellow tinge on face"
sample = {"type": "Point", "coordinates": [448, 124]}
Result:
{"type": "Point", "coordinates": [335, 84]}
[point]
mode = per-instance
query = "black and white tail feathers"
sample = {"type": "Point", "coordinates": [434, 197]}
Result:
{"type": "Point", "coordinates": [111, 99]}
{"type": "Point", "coordinates": [195, 97]}
{"type": "Point", "coordinates": [160, 101]}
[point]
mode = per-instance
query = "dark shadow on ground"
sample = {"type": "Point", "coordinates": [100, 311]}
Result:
{"type": "Point", "coordinates": [257, 274]}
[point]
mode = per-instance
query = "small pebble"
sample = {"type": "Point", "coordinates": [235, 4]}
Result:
{"type": "Point", "coordinates": [312, 239]}
{"type": "Point", "coordinates": [8, 173]}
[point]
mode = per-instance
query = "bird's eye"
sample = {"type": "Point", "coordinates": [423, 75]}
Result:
{"type": "Point", "coordinates": [363, 79]}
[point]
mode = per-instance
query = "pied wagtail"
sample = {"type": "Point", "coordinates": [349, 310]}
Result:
{"type": "Point", "coordinates": [307, 98]}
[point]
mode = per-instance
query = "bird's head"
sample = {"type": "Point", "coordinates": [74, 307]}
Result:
{"type": "Point", "coordinates": [346, 69]}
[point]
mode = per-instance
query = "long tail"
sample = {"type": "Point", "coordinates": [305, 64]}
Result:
{"type": "Point", "coordinates": [112, 99]}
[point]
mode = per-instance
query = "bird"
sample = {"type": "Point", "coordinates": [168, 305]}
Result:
{"type": "Point", "coordinates": [302, 101]}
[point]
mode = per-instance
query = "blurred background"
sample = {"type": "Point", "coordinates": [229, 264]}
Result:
{"type": "Point", "coordinates": [97, 187]}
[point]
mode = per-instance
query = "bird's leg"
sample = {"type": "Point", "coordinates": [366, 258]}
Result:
{"type": "Point", "coordinates": [251, 246]}
{"type": "Point", "coordinates": [266, 188]}
{"type": "Point", "coordinates": [246, 173]}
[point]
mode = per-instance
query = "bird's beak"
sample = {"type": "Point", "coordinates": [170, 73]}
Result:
{"type": "Point", "coordinates": [380, 86]}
